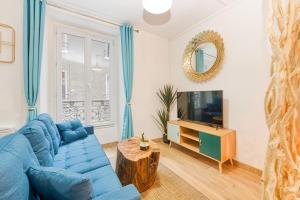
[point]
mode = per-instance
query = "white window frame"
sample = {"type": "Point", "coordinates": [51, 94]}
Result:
{"type": "Point", "coordinates": [113, 80]}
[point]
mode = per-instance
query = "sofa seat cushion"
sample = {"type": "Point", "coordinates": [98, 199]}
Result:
{"type": "Point", "coordinates": [104, 180]}
{"type": "Point", "coordinates": [81, 156]}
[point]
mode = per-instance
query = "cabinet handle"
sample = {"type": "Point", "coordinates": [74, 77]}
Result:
{"type": "Point", "coordinates": [200, 142]}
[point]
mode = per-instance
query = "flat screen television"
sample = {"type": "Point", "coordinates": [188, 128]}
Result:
{"type": "Point", "coordinates": [205, 107]}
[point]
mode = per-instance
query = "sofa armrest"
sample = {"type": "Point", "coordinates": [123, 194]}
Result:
{"type": "Point", "coordinates": [128, 192]}
{"type": "Point", "coordinates": [89, 129]}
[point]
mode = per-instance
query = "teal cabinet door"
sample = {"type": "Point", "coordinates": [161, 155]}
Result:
{"type": "Point", "coordinates": [173, 133]}
{"type": "Point", "coordinates": [210, 145]}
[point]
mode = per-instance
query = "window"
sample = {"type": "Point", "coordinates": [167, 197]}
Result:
{"type": "Point", "coordinates": [85, 69]}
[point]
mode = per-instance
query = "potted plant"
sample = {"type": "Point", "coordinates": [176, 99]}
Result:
{"type": "Point", "coordinates": [144, 144]}
{"type": "Point", "coordinates": [167, 96]}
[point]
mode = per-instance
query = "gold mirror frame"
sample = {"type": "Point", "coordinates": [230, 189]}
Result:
{"type": "Point", "coordinates": [203, 37]}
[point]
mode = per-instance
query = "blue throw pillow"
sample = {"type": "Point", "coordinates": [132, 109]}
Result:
{"type": "Point", "coordinates": [65, 126]}
{"type": "Point", "coordinates": [71, 136]}
{"type": "Point", "coordinates": [69, 125]}
{"type": "Point", "coordinates": [81, 132]}
{"type": "Point", "coordinates": [52, 183]}
{"type": "Point", "coordinates": [75, 123]}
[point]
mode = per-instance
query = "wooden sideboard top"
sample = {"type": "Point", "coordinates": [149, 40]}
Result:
{"type": "Point", "coordinates": [199, 127]}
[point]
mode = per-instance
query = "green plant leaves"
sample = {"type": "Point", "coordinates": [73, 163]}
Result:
{"type": "Point", "coordinates": [167, 96]}
{"type": "Point", "coordinates": [162, 120]}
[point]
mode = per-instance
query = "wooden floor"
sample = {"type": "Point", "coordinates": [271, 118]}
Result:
{"type": "Point", "coordinates": [234, 184]}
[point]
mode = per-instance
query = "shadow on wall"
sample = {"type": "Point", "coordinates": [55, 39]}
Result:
{"type": "Point", "coordinates": [154, 19]}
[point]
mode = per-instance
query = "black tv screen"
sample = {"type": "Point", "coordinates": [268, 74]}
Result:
{"type": "Point", "coordinates": [201, 106]}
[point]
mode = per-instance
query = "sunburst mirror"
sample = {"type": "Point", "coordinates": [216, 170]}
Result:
{"type": "Point", "coordinates": [203, 56]}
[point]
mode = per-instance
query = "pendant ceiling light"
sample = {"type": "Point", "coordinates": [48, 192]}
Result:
{"type": "Point", "coordinates": [157, 6]}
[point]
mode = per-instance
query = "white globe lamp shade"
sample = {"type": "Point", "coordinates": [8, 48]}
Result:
{"type": "Point", "coordinates": [157, 6]}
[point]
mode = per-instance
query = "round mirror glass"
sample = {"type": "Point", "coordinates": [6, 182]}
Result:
{"type": "Point", "coordinates": [204, 57]}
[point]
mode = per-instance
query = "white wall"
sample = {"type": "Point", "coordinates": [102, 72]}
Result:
{"type": "Point", "coordinates": [243, 78]}
{"type": "Point", "coordinates": [151, 72]}
{"type": "Point", "coordinates": [12, 101]}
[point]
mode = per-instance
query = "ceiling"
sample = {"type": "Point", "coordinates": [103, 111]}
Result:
{"type": "Point", "coordinates": [183, 14]}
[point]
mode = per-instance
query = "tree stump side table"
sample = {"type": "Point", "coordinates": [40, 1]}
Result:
{"type": "Point", "coordinates": [136, 166]}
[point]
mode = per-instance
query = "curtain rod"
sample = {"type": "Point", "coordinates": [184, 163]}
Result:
{"type": "Point", "coordinates": [86, 15]}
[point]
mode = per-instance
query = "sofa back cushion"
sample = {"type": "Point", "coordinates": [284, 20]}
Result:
{"type": "Point", "coordinates": [41, 146]}
{"type": "Point", "coordinates": [16, 157]}
{"type": "Point", "coordinates": [52, 129]}
{"type": "Point", "coordinates": [46, 133]}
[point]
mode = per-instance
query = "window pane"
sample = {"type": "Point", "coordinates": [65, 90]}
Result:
{"type": "Point", "coordinates": [72, 76]}
{"type": "Point", "coordinates": [99, 81]}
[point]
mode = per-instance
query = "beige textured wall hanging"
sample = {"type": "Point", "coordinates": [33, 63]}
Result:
{"type": "Point", "coordinates": [7, 44]}
{"type": "Point", "coordinates": [281, 178]}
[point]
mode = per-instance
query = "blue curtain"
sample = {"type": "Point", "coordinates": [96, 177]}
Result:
{"type": "Point", "coordinates": [126, 32]}
{"type": "Point", "coordinates": [199, 60]}
{"type": "Point", "coordinates": [34, 18]}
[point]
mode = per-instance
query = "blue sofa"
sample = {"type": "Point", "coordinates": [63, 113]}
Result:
{"type": "Point", "coordinates": [84, 156]}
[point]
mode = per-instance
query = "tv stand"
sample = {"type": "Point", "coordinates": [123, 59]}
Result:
{"type": "Point", "coordinates": [216, 143]}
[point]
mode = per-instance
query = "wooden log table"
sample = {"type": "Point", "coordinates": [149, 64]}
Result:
{"type": "Point", "coordinates": [136, 166]}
